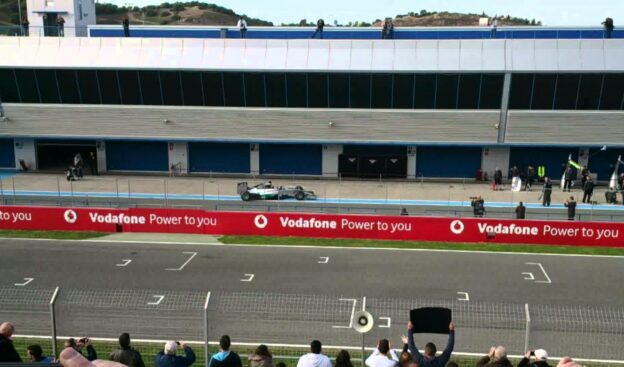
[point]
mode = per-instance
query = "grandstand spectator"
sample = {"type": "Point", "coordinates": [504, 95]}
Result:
{"type": "Point", "coordinates": [80, 344]}
{"type": "Point", "coordinates": [261, 357]}
{"type": "Point", "coordinates": [478, 206]}
{"type": "Point", "coordinates": [126, 26]}
{"type": "Point", "coordinates": [381, 356]}
{"type": "Point", "coordinates": [493, 27]}
{"type": "Point", "coordinates": [608, 27]}
{"type": "Point", "coordinates": [520, 211]}
{"type": "Point", "coordinates": [571, 205]}
{"type": "Point", "coordinates": [588, 190]}
{"type": "Point", "coordinates": [60, 25]}
{"type": "Point", "coordinates": [406, 356]}
{"type": "Point", "coordinates": [225, 357]}
{"type": "Point", "coordinates": [7, 349]}
{"type": "Point", "coordinates": [25, 27]}
{"type": "Point", "coordinates": [35, 354]}
{"type": "Point", "coordinates": [540, 356]}
{"type": "Point", "coordinates": [567, 177]}
{"type": "Point", "coordinates": [430, 359]}
{"type": "Point", "coordinates": [497, 357]}
{"type": "Point", "coordinates": [168, 357]}
{"type": "Point", "coordinates": [387, 32]}
{"type": "Point", "coordinates": [546, 191]}
{"type": "Point", "coordinates": [343, 359]}
{"type": "Point", "coordinates": [242, 27]}
{"type": "Point", "coordinates": [315, 358]}
{"type": "Point", "coordinates": [320, 24]}
{"type": "Point", "coordinates": [567, 362]}
{"type": "Point", "coordinates": [126, 354]}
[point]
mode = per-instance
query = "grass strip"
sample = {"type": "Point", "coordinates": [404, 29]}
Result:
{"type": "Point", "coordinates": [54, 235]}
{"type": "Point", "coordinates": [336, 242]}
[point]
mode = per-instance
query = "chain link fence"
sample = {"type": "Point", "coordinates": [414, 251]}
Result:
{"type": "Point", "coordinates": [288, 322]}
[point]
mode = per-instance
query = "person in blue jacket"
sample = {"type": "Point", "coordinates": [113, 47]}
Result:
{"type": "Point", "coordinates": [168, 357]}
{"type": "Point", "coordinates": [225, 357]}
{"type": "Point", "coordinates": [430, 359]}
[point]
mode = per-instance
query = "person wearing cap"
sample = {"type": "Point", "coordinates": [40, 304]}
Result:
{"type": "Point", "coordinates": [126, 354]}
{"type": "Point", "coordinates": [168, 357]}
{"type": "Point", "coordinates": [540, 355]}
{"type": "Point", "coordinates": [497, 357]}
{"type": "Point", "coordinates": [225, 357]}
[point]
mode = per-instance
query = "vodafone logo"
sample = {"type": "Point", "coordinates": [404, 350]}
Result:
{"type": "Point", "coordinates": [261, 221]}
{"type": "Point", "coordinates": [70, 216]}
{"type": "Point", "coordinates": [457, 226]}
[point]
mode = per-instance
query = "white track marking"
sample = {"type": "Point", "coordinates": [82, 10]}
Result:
{"type": "Point", "coordinates": [529, 276]}
{"type": "Point", "coordinates": [248, 278]}
{"type": "Point", "coordinates": [363, 303]}
{"type": "Point", "coordinates": [388, 323]}
{"type": "Point", "coordinates": [352, 313]}
{"type": "Point", "coordinates": [27, 280]}
{"type": "Point", "coordinates": [543, 271]}
{"type": "Point", "coordinates": [159, 299]}
{"type": "Point", "coordinates": [193, 254]}
{"type": "Point", "coordinates": [465, 298]}
{"type": "Point", "coordinates": [323, 260]}
{"type": "Point", "coordinates": [125, 262]}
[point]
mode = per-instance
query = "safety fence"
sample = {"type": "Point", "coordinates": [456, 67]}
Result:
{"type": "Point", "coordinates": [383, 197]}
{"type": "Point", "coordinates": [288, 322]}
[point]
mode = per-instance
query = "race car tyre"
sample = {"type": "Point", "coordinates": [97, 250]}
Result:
{"type": "Point", "coordinates": [299, 195]}
{"type": "Point", "coordinates": [245, 196]}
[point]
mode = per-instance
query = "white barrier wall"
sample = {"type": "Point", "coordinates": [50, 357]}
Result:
{"type": "Point", "coordinates": [330, 159]}
{"type": "Point", "coordinates": [25, 150]}
{"type": "Point", "coordinates": [514, 55]}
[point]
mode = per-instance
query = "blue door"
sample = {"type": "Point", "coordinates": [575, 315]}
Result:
{"type": "Point", "coordinates": [7, 154]}
{"type": "Point", "coordinates": [456, 162]}
{"type": "Point", "coordinates": [137, 156]}
{"type": "Point", "coordinates": [219, 157]}
{"type": "Point", "coordinates": [291, 159]}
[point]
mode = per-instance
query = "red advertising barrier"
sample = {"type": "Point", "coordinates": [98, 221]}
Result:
{"type": "Point", "coordinates": [314, 225]}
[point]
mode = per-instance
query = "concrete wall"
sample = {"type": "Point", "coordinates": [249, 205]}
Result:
{"type": "Point", "coordinates": [178, 156]}
{"type": "Point", "coordinates": [25, 150]}
{"type": "Point", "coordinates": [250, 124]}
{"type": "Point", "coordinates": [330, 159]}
{"type": "Point", "coordinates": [493, 157]}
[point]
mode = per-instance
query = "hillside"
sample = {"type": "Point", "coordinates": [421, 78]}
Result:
{"type": "Point", "coordinates": [198, 13]}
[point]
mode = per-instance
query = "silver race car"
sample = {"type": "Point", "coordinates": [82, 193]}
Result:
{"type": "Point", "coordinates": [266, 191]}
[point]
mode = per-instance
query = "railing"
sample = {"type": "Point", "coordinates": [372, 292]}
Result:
{"type": "Point", "coordinates": [431, 33]}
{"type": "Point", "coordinates": [287, 322]}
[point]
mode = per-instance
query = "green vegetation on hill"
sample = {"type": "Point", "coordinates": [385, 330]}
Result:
{"type": "Point", "coordinates": [200, 13]}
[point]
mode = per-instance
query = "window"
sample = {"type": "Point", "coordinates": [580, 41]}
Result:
{"type": "Point", "coordinates": [360, 90]}
{"type": "Point", "coordinates": [254, 90]}
{"type": "Point", "coordinates": [213, 89]}
{"type": "Point", "coordinates": [543, 92]}
{"type": "Point", "coordinates": [150, 87]}
{"type": "Point", "coordinates": [612, 92]}
{"type": "Point", "coordinates": [403, 91]}
{"type": "Point", "coordinates": [9, 91]}
{"type": "Point", "coordinates": [469, 86]}
{"type": "Point", "coordinates": [317, 90]}
{"type": "Point", "coordinates": [171, 88]}
{"type": "Point", "coordinates": [381, 96]}
{"type": "Point", "coordinates": [446, 91]}
{"type": "Point", "coordinates": [567, 89]}
{"type": "Point", "coordinates": [275, 90]}
{"type": "Point", "coordinates": [109, 87]}
{"type": "Point", "coordinates": [192, 91]}
{"type": "Point", "coordinates": [491, 91]}
{"type": "Point", "coordinates": [424, 91]}
{"type": "Point", "coordinates": [68, 86]}
{"type": "Point", "coordinates": [234, 92]}
{"type": "Point", "coordinates": [130, 87]}
{"type": "Point", "coordinates": [48, 88]}
{"type": "Point", "coordinates": [589, 92]}
{"type": "Point", "coordinates": [89, 86]}
{"type": "Point", "coordinates": [338, 90]}
{"type": "Point", "coordinates": [521, 91]}
{"type": "Point", "coordinates": [297, 90]}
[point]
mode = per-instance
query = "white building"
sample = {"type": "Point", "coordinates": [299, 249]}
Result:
{"type": "Point", "coordinates": [43, 16]}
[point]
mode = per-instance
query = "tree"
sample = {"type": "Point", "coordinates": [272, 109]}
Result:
{"type": "Point", "coordinates": [533, 22]}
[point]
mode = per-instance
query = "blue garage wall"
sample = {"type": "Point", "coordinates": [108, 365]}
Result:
{"type": "Point", "coordinates": [300, 159]}
{"type": "Point", "coordinates": [7, 153]}
{"type": "Point", "coordinates": [136, 156]}
{"type": "Point", "coordinates": [553, 159]}
{"type": "Point", "coordinates": [448, 161]}
{"type": "Point", "coordinates": [603, 163]}
{"type": "Point", "coordinates": [219, 157]}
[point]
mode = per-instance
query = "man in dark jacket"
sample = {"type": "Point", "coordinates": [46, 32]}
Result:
{"type": "Point", "coordinates": [225, 357]}
{"type": "Point", "coordinates": [7, 349]}
{"type": "Point", "coordinates": [571, 205]}
{"type": "Point", "coordinates": [126, 26]}
{"type": "Point", "coordinates": [496, 358]}
{"type": "Point", "coordinates": [478, 206]}
{"type": "Point", "coordinates": [540, 359]}
{"type": "Point", "coordinates": [588, 190]}
{"type": "Point", "coordinates": [546, 191]}
{"type": "Point", "coordinates": [430, 359]}
{"type": "Point", "coordinates": [168, 358]}
{"type": "Point", "coordinates": [520, 211]}
{"type": "Point", "coordinates": [567, 177]}
{"type": "Point", "coordinates": [608, 27]}
{"type": "Point", "coordinates": [126, 354]}
{"type": "Point", "coordinates": [320, 24]}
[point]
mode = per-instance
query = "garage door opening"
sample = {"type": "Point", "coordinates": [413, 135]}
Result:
{"type": "Point", "coordinates": [54, 156]}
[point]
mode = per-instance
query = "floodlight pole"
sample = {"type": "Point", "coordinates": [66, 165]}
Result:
{"type": "Point", "coordinates": [19, 12]}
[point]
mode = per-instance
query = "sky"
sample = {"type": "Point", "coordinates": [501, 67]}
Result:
{"type": "Point", "coordinates": [550, 12]}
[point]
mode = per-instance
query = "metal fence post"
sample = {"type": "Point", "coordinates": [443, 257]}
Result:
{"type": "Point", "coordinates": [527, 327]}
{"type": "Point", "coordinates": [1, 191]}
{"type": "Point", "coordinates": [206, 329]}
{"type": "Point", "coordinates": [13, 182]}
{"type": "Point", "coordinates": [53, 320]}
{"type": "Point", "coordinates": [58, 190]}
